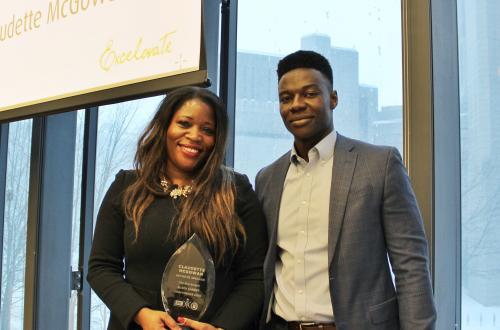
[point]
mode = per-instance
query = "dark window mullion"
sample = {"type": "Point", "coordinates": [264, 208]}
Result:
{"type": "Point", "coordinates": [227, 86]}
{"type": "Point", "coordinates": [4, 140]}
{"type": "Point", "coordinates": [87, 212]}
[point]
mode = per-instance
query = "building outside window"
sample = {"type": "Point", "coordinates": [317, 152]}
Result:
{"type": "Point", "coordinates": [362, 41]}
{"type": "Point", "coordinates": [479, 68]}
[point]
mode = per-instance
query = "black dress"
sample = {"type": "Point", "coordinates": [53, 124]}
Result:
{"type": "Point", "coordinates": [126, 275]}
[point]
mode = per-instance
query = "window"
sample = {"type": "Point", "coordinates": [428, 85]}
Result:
{"type": "Point", "coordinates": [362, 41]}
{"type": "Point", "coordinates": [15, 225]}
{"type": "Point", "coordinates": [479, 67]}
{"type": "Point", "coordinates": [119, 128]}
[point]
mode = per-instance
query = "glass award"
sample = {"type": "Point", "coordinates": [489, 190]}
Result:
{"type": "Point", "coordinates": [188, 281]}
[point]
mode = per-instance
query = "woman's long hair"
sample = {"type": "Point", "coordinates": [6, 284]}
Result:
{"type": "Point", "coordinates": [209, 210]}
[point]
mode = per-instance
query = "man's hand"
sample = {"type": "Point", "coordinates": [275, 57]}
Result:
{"type": "Point", "coordinates": [150, 319]}
{"type": "Point", "coordinates": [196, 325]}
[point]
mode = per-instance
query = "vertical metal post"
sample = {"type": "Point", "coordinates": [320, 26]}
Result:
{"type": "Point", "coordinates": [35, 183]}
{"type": "Point", "coordinates": [447, 176]}
{"type": "Point", "coordinates": [227, 82]}
{"type": "Point", "coordinates": [4, 142]}
{"type": "Point", "coordinates": [87, 212]}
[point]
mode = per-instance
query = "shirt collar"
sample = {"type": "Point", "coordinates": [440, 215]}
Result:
{"type": "Point", "coordinates": [324, 148]}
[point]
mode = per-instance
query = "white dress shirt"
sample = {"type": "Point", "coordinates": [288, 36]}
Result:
{"type": "Point", "coordinates": [302, 283]}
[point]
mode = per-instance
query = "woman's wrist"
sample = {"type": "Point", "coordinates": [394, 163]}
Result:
{"type": "Point", "coordinates": [140, 314]}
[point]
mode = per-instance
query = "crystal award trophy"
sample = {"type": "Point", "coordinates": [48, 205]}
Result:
{"type": "Point", "coordinates": [188, 281]}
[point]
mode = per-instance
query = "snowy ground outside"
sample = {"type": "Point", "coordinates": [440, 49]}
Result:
{"type": "Point", "coordinates": [478, 317]}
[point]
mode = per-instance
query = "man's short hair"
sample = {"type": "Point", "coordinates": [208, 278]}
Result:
{"type": "Point", "coordinates": [305, 59]}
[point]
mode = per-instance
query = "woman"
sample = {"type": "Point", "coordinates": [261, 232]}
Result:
{"type": "Point", "coordinates": [179, 187]}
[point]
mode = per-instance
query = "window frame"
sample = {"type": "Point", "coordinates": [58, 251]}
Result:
{"type": "Point", "coordinates": [431, 131]}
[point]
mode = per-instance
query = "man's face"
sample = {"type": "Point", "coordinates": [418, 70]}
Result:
{"type": "Point", "coordinates": [306, 103]}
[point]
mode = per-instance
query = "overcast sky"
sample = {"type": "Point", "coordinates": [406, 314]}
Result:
{"type": "Point", "coordinates": [372, 27]}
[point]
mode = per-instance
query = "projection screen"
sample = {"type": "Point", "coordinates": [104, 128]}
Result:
{"type": "Point", "coordinates": [67, 54]}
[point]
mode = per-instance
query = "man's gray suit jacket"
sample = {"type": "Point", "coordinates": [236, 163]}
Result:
{"type": "Point", "coordinates": [374, 219]}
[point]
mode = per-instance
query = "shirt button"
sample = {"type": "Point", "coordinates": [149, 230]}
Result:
{"type": "Point", "coordinates": [304, 202]}
{"type": "Point", "coordinates": [308, 174]}
{"type": "Point", "coordinates": [300, 291]}
{"type": "Point", "coordinates": [302, 318]}
{"type": "Point", "coordinates": [302, 232]}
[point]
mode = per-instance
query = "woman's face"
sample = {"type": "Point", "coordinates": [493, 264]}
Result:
{"type": "Point", "coordinates": [190, 139]}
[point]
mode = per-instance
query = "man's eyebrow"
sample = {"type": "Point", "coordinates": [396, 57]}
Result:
{"type": "Point", "coordinates": [286, 90]}
{"type": "Point", "coordinates": [310, 85]}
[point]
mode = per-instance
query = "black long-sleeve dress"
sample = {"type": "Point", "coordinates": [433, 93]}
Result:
{"type": "Point", "coordinates": [126, 275]}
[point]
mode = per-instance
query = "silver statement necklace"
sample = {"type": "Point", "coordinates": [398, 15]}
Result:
{"type": "Point", "coordinates": [175, 190]}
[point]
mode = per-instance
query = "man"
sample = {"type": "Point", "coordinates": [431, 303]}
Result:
{"type": "Point", "coordinates": [340, 214]}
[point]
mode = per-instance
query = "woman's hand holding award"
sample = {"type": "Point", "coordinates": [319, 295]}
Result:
{"type": "Point", "coordinates": [188, 281]}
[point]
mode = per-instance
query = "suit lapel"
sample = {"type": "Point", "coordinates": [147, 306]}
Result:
{"type": "Point", "coordinates": [275, 192]}
{"type": "Point", "coordinates": [344, 163]}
